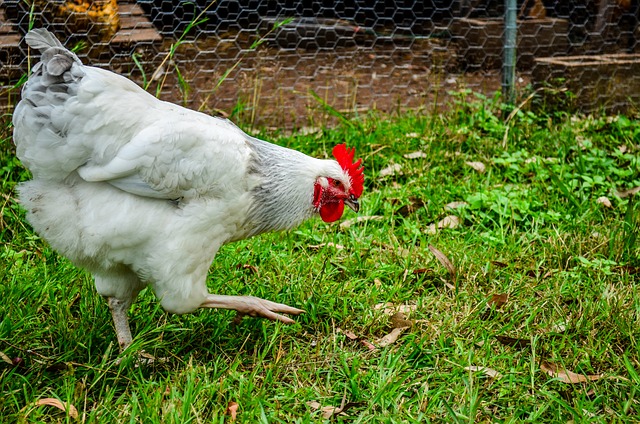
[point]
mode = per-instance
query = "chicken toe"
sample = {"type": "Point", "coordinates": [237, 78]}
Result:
{"type": "Point", "coordinates": [252, 306]}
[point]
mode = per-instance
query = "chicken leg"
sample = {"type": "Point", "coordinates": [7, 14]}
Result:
{"type": "Point", "coordinates": [252, 306]}
{"type": "Point", "coordinates": [119, 310]}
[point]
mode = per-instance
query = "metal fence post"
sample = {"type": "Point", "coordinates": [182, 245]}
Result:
{"type": "Point", "coordinates": [509, 59]}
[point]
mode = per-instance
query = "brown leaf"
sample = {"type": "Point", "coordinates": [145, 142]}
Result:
{"type": "Point", "coordinates": [626, 193]}
{"type": "Point", "coordinates": [389, 308]}
{"type": "Point", "coordinates": [567, 376]}
{"type": "Point", "coordinates": [413, 205]}
{"type": "Point", "coordinates": [392, 337]}
{"type": "Point", "coordinates": [455, 205]}
{"type": "Point", "coordinates": [252, 268]}
{"type": "Point", "coordinates": [486, 371]}
{"type": "Point", "coordinates": [478, 166]}
{"type": "Point", "coordinates": [5, 358]}
{"type": "Point", "coordinates": [517, 343]}
{"type": "Point", "coordinates": [604, 201]}
{"type": "Point", "coordinates": [68, 408]}
{"type": "Point", "coordinates": [450, 221]}
{"type": "Point", "coordinates": [499, 264]}
{"type": "Point", "coordinates": [350, 335]}
{"type": "Point", "coordinates": [399, 320]}
{"type": "Point", "coordinates": [329, 411]}
{"type": "Point", "coordinates": [442, 258]}
{"type": "Point", "coordinates": [390, 170]}
{"type": "Point", "coordinates": [420, 271]}
{"type": "Point", "coordinates": [497, 300]}
{"type": "Point", "coordinates": [368, 344]}
{"type": "Point", "coordinates": [232, 410]}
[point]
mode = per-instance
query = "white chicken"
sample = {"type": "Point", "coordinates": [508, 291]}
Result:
{"type": "Point", "coordinates": [143, 192]}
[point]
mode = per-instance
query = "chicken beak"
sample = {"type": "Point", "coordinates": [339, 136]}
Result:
{"type": "Point", "coordinates": [352, 202]}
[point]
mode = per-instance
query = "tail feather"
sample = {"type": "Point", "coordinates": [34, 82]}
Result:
{"type": "Point", "coordinates": [41, 39]}
{"type": "Point", "coordinates": [55, 57]}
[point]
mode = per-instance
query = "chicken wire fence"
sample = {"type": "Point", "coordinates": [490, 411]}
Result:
{"type": "Point", "coordinates": [295, 64]}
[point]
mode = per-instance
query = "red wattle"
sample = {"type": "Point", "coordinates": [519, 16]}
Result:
{"type": "Point", "coordinates": [330, 212]}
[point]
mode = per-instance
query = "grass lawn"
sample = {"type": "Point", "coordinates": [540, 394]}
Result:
{"type": "Point", "coordinates": [524, 306]}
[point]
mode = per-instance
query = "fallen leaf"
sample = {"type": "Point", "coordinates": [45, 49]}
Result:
{"type": "Point", "coordinates": [478, 166]}
{"type": "Point", "coordinates": [399, 320]}
{"type": "Point", "coordinates": [567, 376]}
{"type": "Point", "coordinates": [350, 335]}
{"type": "Point", "coordinates": [413, 205]}
{"type": "Point", "coordinates": [232, 410]}
{"type": "Point", "coordinates": [415, 155]}
{"type": "Point", "coordinates": [486, 371]}
{"type": "Point", "coordinates": [626, 193]}
{"type": "Point", "coordinates": [450, 221]}
{"type": "Point", "coordinates": [330, 244]}
{"type": "Point", "coordinates": [329, 411]}
{"type": "Point", "coordinates": [368, 344]}
{"type": "Point", "coordinates": [390, 170]}
{"type": "Point", "coordinates": [68, 408]}
{"type": "Point", "coordinates": [497, 300]}
{"type": "Point", "coordinates": [5, 358]}
{"type": "Point", "coordinates": [252, 268]}
{"type": "Point", "coordinates": [389, 308]}
{"type": "Point", "coordinates": [517, 343]}
{"type": "Point", "coordinates": [442, 258]}
{"type": "Point", "coordinates": [604, 201]}
{"type": "Point", "coordinates": [412, 135]}
{"type": "Point", "coordinates": [499, 264]}
{"type": "Point", "coordinates": [349, 222]}
{"type": "Point", "coordinates": [392, 337]}
{"type": "Point", "coordinates": [455, 205]}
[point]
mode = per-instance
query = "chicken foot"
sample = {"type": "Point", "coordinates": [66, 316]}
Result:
{"type": "Point", "coordinates": [252, 306]}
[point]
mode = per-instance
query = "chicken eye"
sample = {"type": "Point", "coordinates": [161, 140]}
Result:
{"type": "Point", "coordinates": [337, 183]}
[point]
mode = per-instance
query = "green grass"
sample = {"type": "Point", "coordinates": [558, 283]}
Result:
{"type": "Point", "coordinates": [532, 229]}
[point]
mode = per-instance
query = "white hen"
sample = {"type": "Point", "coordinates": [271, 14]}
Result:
{"type": "Point", "coordinates": [143, 192]}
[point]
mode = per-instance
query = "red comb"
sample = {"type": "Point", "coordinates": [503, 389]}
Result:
{"type": "Point", "coordinates": [344, 156]}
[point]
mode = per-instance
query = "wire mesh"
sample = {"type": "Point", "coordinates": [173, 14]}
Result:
{"type": "Point", "coordinates": [294, 64]}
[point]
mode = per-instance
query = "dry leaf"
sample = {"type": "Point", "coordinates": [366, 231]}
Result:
{"type": "Point", "coordinates": [252, 268]}
{"type": "Point", "coordinates": [442, 258]}
{"type": "Point", "coordinates": [68, 408]}
{"type": "Point", "coordinates": [604, 201]}
{"type": "Point", "coordinates": [412, 135]}
{"type": "Point", "coordinates": [499, 264]}
{"type": "Point", "coordinates": [232, 410]}
{"type": "Point", "coordinates": [329, 411]}
{"type": "Point", "coordinates": [368, 344]}
{"type": "Point", "coordinates": [390, 170]}
{"type": "Point", "coordinates": [517, 343]}
{"type": "Point", "coordinates": [414, 204]}
{"type": "Point", "coordinates": [450, 221]}
{"type": "Point", "coordinates": [389, 308]}
{"type": "Point", "coordinates": [5, 358]}
{"type": "Point", "coordinates": [478, 166]}
{"type": "Point", "coordinates": [455, 205]}
{"type": "Point", "coordinates": [486, 371]}
{"type": "Point", "coordinates": [567, 376]}
{"type": "Point", "coordinates": [399, 320]}
{"type": "Point", "coordinates": [497, 300]}
{"type": "Point", "coordinates": [626, 193]}
{"type": "Point", "coordinates": [415, 155]}
{"type": "Point", "coordinates": [392, 337]}
{"type": "Point", "coordinates": [321, 245]}
{"type": "Point", "coordinates": [350, 335]}
{"type": "Point", "coordinates": [349, 222]}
